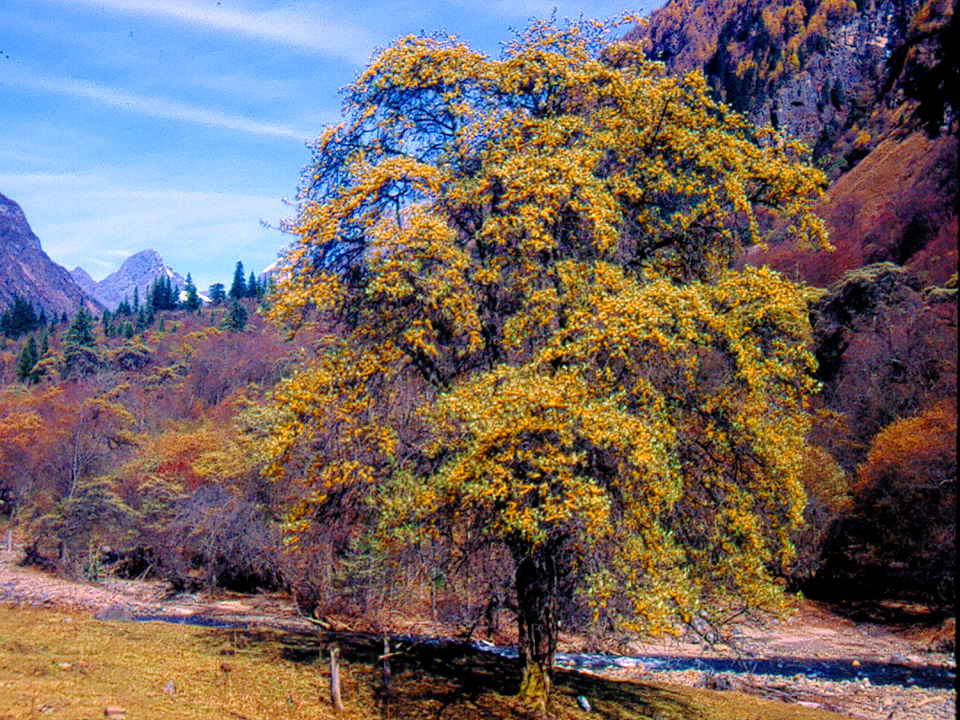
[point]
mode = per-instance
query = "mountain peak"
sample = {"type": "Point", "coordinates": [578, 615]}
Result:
{"type": "Point", "coordinates": [15, 231]}
{"type": "Point", "coordinates": [26, 270]}
{"type": "Point", "coordinates": [139, 271]}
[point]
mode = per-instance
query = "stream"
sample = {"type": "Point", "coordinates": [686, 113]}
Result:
{"type": "Point", "coordinates": [878, 673]}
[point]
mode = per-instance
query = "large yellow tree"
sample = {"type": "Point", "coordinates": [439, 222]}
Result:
{"type": "Point", "coordinates": [533, 334]}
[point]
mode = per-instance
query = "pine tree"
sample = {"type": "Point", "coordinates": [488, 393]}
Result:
{"type": "Point", "coordinates": [253, 287]}
{"type": "Point", "coordinates": [192, 303]}
{"type": "Point", "coordinates": [80, 331]}
{"type": "Point", "coordinates": [27, 361]}
{"type": "Point", "coordinates": [80, 356]}
{"type": "Point", "coordinates": [218, 294]}
{"type": "Point", "coordinates": [19, 319]}
{"type": "Point", "coordinates": [238, 289]}
{"type": "Point", "coordinates": [236, 317]}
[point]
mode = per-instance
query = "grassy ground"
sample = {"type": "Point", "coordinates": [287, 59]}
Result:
{"type": "Point", "coordinates": [59, 665]}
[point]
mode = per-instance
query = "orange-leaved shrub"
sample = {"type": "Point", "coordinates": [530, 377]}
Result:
{"type": "Point", "coordinates": [900, 537]}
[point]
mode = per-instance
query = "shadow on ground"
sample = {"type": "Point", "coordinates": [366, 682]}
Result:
{"type": "Point", "coordinates": [455, 681]}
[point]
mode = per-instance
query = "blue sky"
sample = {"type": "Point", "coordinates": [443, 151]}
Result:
{"type": "Point", "coordinates": [180, 125]}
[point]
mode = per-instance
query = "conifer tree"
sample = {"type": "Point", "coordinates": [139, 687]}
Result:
{"type": "Point", "coordinates": [238, 289]}
{"type": "Point", "coordinates": [192, 302]}
{"type": "Point", "coordinates": [19, 319]}
{"type": "Point", "coordinates": [236, 317]}
{"type": "Point", "coordinates": [217, 293]}
{"type": "Point", "coordinates": [28, 361]}
{"type": "Point", "coordinates": [80, 356]}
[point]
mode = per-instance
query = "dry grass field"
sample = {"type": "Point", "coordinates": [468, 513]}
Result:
{"type": "Point", "coordinates": [68, 665]}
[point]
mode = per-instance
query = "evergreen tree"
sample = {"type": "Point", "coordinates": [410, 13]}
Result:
{"type": "Point", "coordinates": [18, 319]}
{"type": "Point", "coordinates": [145, 317]}
{"type": "Point", "coordinates": [28, 361]}
{"type": "Point", "coordinates": [80, 356]}
{"type": "Point", "coordinates": [136, 300]}
{"type": "Point", "coordinates": [253, 287]}
{"type": "Point", "coordinates": [238, 289]}
{"type": "Point", "coordinates": [192, 303]}
{"type": "Point", "coordinates": [124, 307]}
{"type": "Point", "coordinates": [236, 317]}
{"type": "Point", "coordinates": [80, 331]}
{"type": "Point", "coordinates": [218, 294]}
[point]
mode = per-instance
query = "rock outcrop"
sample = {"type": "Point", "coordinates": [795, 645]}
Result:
{"type": "Point", "coordinates": [834, 74]}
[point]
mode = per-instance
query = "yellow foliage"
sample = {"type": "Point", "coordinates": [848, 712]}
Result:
{"type": "Point", "coordinates": [537, 339]}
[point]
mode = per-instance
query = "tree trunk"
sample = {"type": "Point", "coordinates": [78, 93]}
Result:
{"type": "Point", "coordinates": [537, 623]}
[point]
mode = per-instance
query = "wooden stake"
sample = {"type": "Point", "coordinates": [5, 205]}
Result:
{"type": "Point", "coordinates": [386, 665]}
{"type": "Point", "coordinates": [335, 679]}
{"type": "Point", "coordinates": [386, 677]}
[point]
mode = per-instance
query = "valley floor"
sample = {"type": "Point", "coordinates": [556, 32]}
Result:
{"type": "Point", "coordinates": [811, 631]}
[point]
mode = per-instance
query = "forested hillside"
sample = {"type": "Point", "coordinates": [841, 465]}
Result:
{"type": "Point", "coordinates": [117, 437]}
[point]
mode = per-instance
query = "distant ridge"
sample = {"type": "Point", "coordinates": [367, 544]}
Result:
{"type": "Point", "coordinates": [26, 270]}
{"type": "Point", "coordinates": [138, 272]}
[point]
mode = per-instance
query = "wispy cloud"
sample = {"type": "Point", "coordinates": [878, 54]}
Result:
{"type": "Point", "coordinates": [296, 27]}
{"type": "Point", "coordinates": [150, 106]}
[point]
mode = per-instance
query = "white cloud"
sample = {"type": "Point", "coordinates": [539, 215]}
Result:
{"type": "Point", "coordinates": [297, 27]}
{"type": "Point", "coordinates": [150, 106]}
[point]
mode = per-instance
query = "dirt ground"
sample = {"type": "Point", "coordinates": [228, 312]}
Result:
{"type": "Point", "coordinates": [810, 631]}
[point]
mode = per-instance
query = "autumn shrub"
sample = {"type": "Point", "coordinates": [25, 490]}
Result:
{"type": "Point", "coordinates": [885, 348]}
{"type": "Point", "coordinates": [900, 537]}
{"type": "Point", "coordinates": [897, 205]}
{"type": "Point", "coordinates": [217, 538]}
{"type": "Point", "coordinates": [828, 498]}
{"type": "Point", "coordinates": [91, 522]}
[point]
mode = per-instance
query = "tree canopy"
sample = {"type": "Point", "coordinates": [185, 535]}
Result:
{"type": "Point", "coordinates": [536, 339]}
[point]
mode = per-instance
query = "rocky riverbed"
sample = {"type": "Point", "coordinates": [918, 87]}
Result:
{"type": "Point", "coordinates": [811, 632]}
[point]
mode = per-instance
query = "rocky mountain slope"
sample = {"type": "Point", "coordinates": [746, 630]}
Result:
{"type": "Point", "coordinates": [137, 272]}
{"type": "Point", "coordinates": [26, 270]}
{"type": "Point", "coordinates": [870, 86]}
